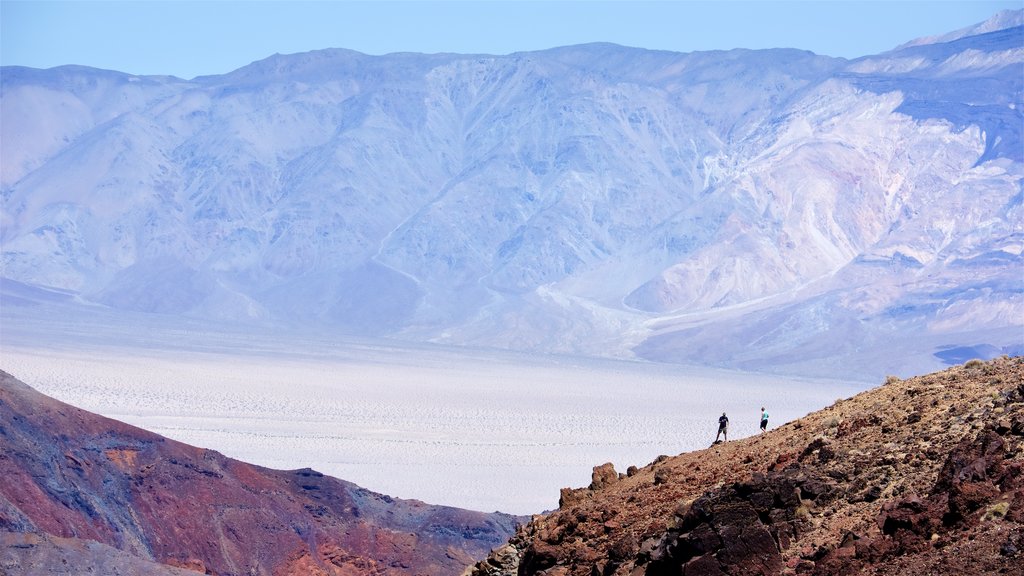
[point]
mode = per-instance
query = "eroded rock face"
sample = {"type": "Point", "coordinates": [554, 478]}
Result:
{"type": "Point", "coordinates": [919, 476]}
{"type": "Point", "coordinates": [72, 476]}
{"type": "Point", "coordinates": [27, 553]}
{"type": "Point", "coordinates": [740, 529]}
{"type": "Point", "coordinates": [974, 475]}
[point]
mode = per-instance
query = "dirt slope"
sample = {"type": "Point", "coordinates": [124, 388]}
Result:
{"type": "Point", "coordinates": [921, 476]}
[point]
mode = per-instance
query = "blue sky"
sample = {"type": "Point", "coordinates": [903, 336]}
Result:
{"type": "Point", "coordinates": [188, 38]}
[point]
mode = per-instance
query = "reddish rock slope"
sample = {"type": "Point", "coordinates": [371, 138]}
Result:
{"type": "Point", "coordinates": [922, 476]}
{"type": "Point", "coordinates": [76, 486]}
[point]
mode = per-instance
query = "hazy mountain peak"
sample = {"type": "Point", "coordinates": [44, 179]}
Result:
{"type": "Point", "coordinates": [1000, 21]}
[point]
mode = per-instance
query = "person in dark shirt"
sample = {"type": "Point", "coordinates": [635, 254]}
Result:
{"type": "Point", "coordinates": [723, 428]}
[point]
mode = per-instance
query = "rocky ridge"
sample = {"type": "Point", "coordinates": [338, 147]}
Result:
{"type": "Point", "coordinates": [83, 493]}
{"type": "Point", "coordinates": [917, 476]}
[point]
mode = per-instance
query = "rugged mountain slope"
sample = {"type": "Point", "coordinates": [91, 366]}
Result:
{"type": "Point", "coordinates": [920, 476]}
{"type": "Point", "coordinates": [818, 213]}
{"type": "Point", "coordinates": [98, 493]}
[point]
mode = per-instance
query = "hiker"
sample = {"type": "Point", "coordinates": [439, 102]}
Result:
{"type": "Point", "coordinates": [723, 428]}
{"type": "Point", "coordinates": [764, 420]}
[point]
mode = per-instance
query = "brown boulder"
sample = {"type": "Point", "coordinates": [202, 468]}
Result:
{"type": "Point", "coordinates": [603, 476]}
{"type": "Point", "coordinates": [539, 555]}
{"type": "Point", "coordinates": [969, 476]}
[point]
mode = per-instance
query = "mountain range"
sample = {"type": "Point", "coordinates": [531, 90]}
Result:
{"type": "Point", "coordinates": [773, 210]}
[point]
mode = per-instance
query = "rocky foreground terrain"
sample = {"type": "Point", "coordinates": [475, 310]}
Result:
{"type": "Point", "coordinates": [84, 494]}
{"type": "Point", "coordinates": [918, 476]}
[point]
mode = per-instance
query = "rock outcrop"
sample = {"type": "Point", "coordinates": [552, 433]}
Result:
{"type": "Point", "coordinates": [917, 476]}
{"type": "Point", "coordinates": [81, 492]}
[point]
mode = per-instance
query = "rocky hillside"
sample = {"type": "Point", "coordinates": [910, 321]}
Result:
{"type": "Point", "coordinates": [85, 494]}
{"type": "Point", "coordinates": [919, 476]}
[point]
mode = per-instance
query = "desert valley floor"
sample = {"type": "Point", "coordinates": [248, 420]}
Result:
{"type": "Point", "coordinates": [475, 429]}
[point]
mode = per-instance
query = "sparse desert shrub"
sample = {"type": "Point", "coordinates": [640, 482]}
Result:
{"type": "Point", "coordinates": [974, 363]}
{"type": "Point", "coordinates": [892, 379]}
{"type": "Point", "coordinates": [996, 511]}
{"type": "Point", "coordinates": [683, 508]}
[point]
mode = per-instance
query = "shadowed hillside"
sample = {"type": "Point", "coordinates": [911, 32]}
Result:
{"type": "Point", "coordinates": [921, 476]}
{"type": "Point", "coordinates": [83, 493]}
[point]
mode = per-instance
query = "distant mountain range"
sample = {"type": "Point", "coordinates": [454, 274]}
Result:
{"type": "Point", "coordinates": [769, 209]}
